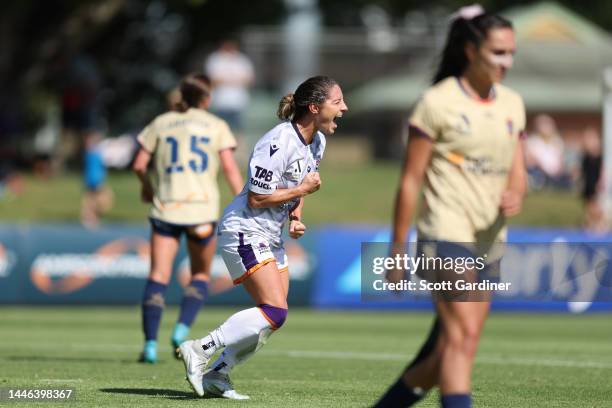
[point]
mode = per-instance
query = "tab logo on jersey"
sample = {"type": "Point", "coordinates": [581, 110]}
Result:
{"type": "Point", "coordinates": [261, 173]}
{"type": "Point", "coordinates": [273, 149]}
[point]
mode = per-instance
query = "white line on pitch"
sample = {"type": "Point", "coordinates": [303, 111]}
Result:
{"type": "Point", "coordinates": [340, 355]}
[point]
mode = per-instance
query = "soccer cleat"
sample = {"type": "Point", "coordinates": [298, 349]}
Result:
{"type": "Point", "coordinates": [219, 385]}
{"type": "Point", "coordinates": [195, 362]}
{"type": "Point", "coordinates": [149, 353]}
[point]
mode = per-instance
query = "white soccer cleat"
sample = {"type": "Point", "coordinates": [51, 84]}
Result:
{"type": "Point", "coordinates": [220, 385]}
{"type": "Point", "coordinates": [195, 363]}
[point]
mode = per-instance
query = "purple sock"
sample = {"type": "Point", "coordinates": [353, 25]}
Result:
{"type": "Point", "coordinates": [193, 298]}
{"type": "Point", "coordinates": [276, 315]}
{"type": "Point", "coordinates": [152, 306]}
{"type": "Point", "coordinates": [456, 401]}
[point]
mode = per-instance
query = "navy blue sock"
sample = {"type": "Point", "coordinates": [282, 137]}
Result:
{"type": "Point", "coordinates": [399, 396]}
{"type": "Point", "coordinates": [193, 298]}
{"type": "Point", "coordinates": [152, 307]}
{"type": "Point", "coordinates": [456, 401]}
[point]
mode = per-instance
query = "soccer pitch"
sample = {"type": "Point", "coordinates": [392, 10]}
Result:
{"type": "Point", "coordinates": [318, 359]}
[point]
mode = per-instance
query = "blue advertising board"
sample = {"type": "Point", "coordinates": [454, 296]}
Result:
{"type": "Point", "coordinates": [550, 269]}
{"type": "Point", "coordinates": [68, 264]}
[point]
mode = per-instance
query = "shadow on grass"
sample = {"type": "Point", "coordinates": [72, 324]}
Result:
{"type": "Point", "coordinates": [154, 392]}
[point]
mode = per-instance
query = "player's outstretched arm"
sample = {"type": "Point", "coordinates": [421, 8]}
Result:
{"type": "Point", "coordinates": [310, 184]}
{"type": "Point", "coordinates": [230, 170]}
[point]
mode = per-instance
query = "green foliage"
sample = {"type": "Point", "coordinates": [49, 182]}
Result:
{"type": "Point", "coordinates": [350, 194]}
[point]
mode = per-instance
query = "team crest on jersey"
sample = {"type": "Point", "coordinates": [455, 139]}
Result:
{"type": "Point", "coordinates": [463, 125]}
{"type": "Point", "coordinates": [317, 162]}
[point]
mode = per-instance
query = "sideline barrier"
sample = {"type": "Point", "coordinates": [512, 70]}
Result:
{"type": "Point", "coordinates": [550, 270]}
{"type": "Point", "coordinates": [68, 264]}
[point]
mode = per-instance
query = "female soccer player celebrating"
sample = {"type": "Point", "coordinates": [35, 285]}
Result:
{"type": "Point", "coordinates": [465, 144]}
{"type": "Point", "coordinates": [282, 170]}
{"type": "Point", "coordinates": [186, 146]}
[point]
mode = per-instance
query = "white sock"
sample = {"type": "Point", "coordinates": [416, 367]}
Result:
{"type": "Point", "coordinates": [210, 344]}
{"type": "Point", "coordinates": [242, 334]}
{"type": "Point", "coordinates": [225, 362]}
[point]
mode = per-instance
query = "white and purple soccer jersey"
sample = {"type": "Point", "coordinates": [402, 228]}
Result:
{"type": "Point", "coordinates": [250, 237]}
{"type": "Point", "coordinates": [280, 159]}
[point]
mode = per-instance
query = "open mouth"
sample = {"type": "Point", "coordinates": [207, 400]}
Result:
{"type": "Point", "coordinates": [335, 119]}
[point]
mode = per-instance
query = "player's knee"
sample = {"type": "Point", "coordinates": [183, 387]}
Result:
{"type": "Point", "coordinates": [275, 315]}
{"type": "Point", "coordinates": [464, 340]}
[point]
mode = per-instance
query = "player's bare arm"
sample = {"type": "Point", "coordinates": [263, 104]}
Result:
{"type": "Point", "coordinates": [231, 171]}
{"type": "Point", "coordinates": [296, 226]}
{"type": "Point", "coordinates": [141, 163]}
{"type": "Point", "coordinates": [417, 157]}
{"type": "Point", "coordinates": [512, 198]}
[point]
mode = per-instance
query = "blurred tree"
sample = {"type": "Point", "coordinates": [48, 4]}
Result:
{"type": "Point", "coordinates": [348, 12]}
{"type": "Point", "coordinates": [140, 47]}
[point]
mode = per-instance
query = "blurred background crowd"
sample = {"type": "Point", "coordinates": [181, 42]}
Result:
{"type": "Point", "coordinates": [81, 79]}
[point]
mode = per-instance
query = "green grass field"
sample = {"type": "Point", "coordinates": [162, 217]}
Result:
{"type": "Point", "coordinates": [351, 194]}
{"type": "Point", "coordinates": [319, 359]}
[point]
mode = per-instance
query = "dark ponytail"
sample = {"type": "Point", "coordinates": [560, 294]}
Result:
{"type": "Point", "coordinates": [462, 31]}
{"type": "Point", "coordinates": [312, 91]}
{"type": "Point", "coordinates": [194, 88]}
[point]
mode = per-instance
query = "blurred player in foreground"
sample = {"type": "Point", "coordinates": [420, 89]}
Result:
{"type": "Point", "coordinates": [465, 146]}
{"type": "Point", "coordinates": [187, 146]}
{"type": "Point", "coordinates": [283, 168]}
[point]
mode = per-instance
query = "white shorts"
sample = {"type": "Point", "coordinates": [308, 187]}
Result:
{"type": "Point", "coordinates": [245, 253]}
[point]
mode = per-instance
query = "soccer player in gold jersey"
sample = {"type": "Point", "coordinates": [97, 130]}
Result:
{"type": "Point", "coordinates": [186, 147]}
{"type": "Point", "coordinates": [465, 151]}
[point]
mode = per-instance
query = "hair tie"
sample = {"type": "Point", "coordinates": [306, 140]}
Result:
{"type": "Point", "coordinates": [468, 12]}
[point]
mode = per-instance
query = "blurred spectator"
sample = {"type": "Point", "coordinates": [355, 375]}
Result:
{"type": "Point", "coordinates": [11, 183]}
{"type": "Point", "coordinates": [79, 82]}
{"type": "Point", "coordinates": [98, 197]}
{"type": "Point", "coordinates": [544, 151]}
{"type": "Point", "coordinates": [232, 74]}
{"type": "Point", "coordinates": [591, 180]}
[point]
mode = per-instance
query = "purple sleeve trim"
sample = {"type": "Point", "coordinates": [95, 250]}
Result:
{"type": "Point", "coordinates": [418, 132]}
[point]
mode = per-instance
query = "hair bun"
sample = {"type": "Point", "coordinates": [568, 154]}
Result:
{"type": "Point", "coordinates": [286, 107]}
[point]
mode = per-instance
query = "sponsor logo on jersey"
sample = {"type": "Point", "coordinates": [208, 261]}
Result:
{"type": "Point", "coordinates": [260, 184]}
{"type": "Point", "coordinates": [463, 125]}
{"type": "Point", "coordinates": [263, 174]}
